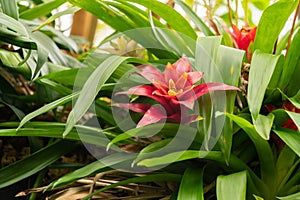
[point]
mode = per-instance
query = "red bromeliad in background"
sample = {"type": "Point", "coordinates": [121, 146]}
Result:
{"type": "Point", "coordinates": [243, 38]}
{"type": "Point", "coordinates": [287, 105]}
{"type": "Point", "coordinates": [175, 90]}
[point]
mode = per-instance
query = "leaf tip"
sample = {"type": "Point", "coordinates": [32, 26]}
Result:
{"type": "Point", "coordinates": [108, 146]}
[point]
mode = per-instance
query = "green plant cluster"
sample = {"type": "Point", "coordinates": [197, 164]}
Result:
{"type": "Point", "coordinates": [255, 154]}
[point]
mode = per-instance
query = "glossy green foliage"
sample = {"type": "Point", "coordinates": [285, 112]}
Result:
{"type": "Point", "coordinates": [268, 32]}
{"type": "Point", "coordinates": [191, 186]}
{"type": "Point", "coordinates": [231, 143]}
{"type": "Point", "coordinates": [225, 189]}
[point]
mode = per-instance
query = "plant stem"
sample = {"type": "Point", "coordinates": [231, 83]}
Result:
{"type": "Point", "coordinates": [210, 17]}
{"type": "Point", "coordinates": [229, 12]}
{"type": "Point", "coordinates": [246, 12]}
{"type": "Point", "coordinates": [236, 13]}
{"type": "Point", "coordinates": [292, 29]}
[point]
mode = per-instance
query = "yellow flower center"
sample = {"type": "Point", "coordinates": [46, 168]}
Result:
{"type": "Point", "coordinates": [173, 91]}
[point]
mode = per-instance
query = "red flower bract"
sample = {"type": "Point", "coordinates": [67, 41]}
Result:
{"type": "Point", "coordinates": [243, 38]}
{"type": "Point", "coordinates": [287, 105]}
{"type": "Point", "coordinates": [175, 90]}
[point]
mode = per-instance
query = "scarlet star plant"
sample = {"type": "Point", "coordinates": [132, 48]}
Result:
{"type": "Point", "coordinates": [175, 90]}
{"type": "Point", "coordinates": [287, 105]}
{"type": "Point", "coordinates": [243, 38]}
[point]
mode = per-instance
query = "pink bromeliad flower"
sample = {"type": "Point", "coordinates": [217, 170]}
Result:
{"type": "Point", "coordinates": [175, 91]}
{"type": "Point", "coordinates": [243, 38]}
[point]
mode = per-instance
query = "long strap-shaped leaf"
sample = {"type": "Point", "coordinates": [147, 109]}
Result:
{"type": "Point", "coordinates": [96, 167]}
{"type": "Point", "coordinates": [10, 8]}
{"type": "Point", "coordinates": [141, 179]}
{"type": "Point", "coordinates": [41, 10]}
{"type": "Point", "coordinates": [235, 164]}
{"type": "Point", "coordinates": [264, 151]}
{"type": "Point", "coordinates": [91, 89]}
{"type": "Point", "coordinates": [105, 13]}
{"type": "Point", "coordinates": [262, 68]}
{"type": "Point", "coordinates": [291, 138]}
{"type": "Point", "coordinates": [225, 189]}
{"type": "Point", "coordinates": [191, 186]}
{"type": "Point", "coordinates": [195, 18]}
{"type": "Point", "coordinates": [47, 107]}
{"type": "Point", "coordinates": [279, 12]}
{"type": "Point", "coordinates": [34, 163]}
{"type": "Point", "coordinates": [172, 17]}
{"type": "Point", "coordinates": [13, 24]}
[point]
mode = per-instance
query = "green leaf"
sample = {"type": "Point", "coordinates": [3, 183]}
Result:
{"type": "Point", "coordinates": [34, 163]}
{"type": "Point", "coordinates": [265, 154]}
{"type": "Point", "coordinates": [285, 166]}
{"type": "Point", "coordinates": [295, 100]}
{"type": "Point", "coordinates": [47, 47]}
{"type": "Point", "coordinates": [54, 86]}
{"type": "Point", "coordinates": [225, 190]}
{"type": "Point", "coordinates": [191, 185]}
{"type": "Point", "coordinates": [41, 9]}
{"type": "Point", "coordinates": [91, 88]}
{"type": "Point", "coordinates": [206, 56]}
{"type": "Point", "coordinates": [295, 117]}
{"type": "Point", "coordinates": [290, 137]}
{"type": "Point", "coordinates": [12, 24]}
{"type": "Point", "coordinates": [81, 133]}
{"type": "Point", "coordinates": [170, 40]}
{"type": "Point", "coordinates": [105, 13]}
{"type": "Point", "coordinates": [10, 8]}
{"type": "Point", "coordinates": [152, 150]}
{"type": "Point", "coordinates": [229, 62]}
{"type": "Point", "coordinates": [66, 41]}
{"type": "Point", "coordinates": [291, 196]}
{"type": "Point", "coordinates": [257, 197]}
{"type": "Point", "coordinates": [278, 12]}
{"type": "Point", "coordinates": [294, 83]}
{"type": "Point", "coordinates": [205, 61]}
{"type": "Point", "coordinates": [122, 23]}
{"type": "Point", "coordinates": [46, 108]}
{"type": "Point", "coordinates": [12, 60]}
{"type": "Point", "coordinates": [282, 42]}
{"type": "Point", "coordinates": [68, 77]}
{"type": "Point", "coordinates": [141, 179]}
{"type": "Point", "coordinates": [137, 132]}
{"type": "Point", "coordinates": [42, 59]}
{"type": "Point", "coordinates": [292, 58]}
{"type": "Point", "coordinates": [13, 38]}
{"type": "Point", "coordinates": [276, 76]}
{"type": "Point", "coordinates": [57, 15]}
{"type": "Point", "coordinates": [234, 164]}
{"type": "Point", "coordinates": [220, 64]}
{"type": "Point", "coordinates": [292, 185]}
{"type": "Point", "coordinates": [137, 15]}
{"type": "Point", "coordinates": [171, 16]}
{"type": "Point", "coordinates": [262, 68]}
{"type": "Point", "coordinates": [17, 111]}
{"type": "Point", "coordinates": [263, 125]}
{"type": "Point", "coordinates": [174, 42]}
{"type": "Point", "coordinates": [260, 4]}
{"type": "Point", "coordinates": [91, 169]}
{"type": "Point", "coordinates": [194, 17]}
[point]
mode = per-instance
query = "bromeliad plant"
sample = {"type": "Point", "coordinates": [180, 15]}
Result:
{"type": "Point", "coordinates": [175, 90]}
{"type": "Point", "coordinates": [246, 159]}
